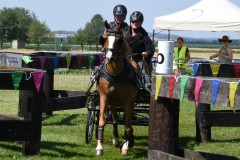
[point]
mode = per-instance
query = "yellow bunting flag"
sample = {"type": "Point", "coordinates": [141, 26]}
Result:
{"type": "Point", "coordinates": [215, 69]}
{"type": "Point", "coordinates": [158, 85]}
{"type": "Point", "coordinates": [68, 59]}
{"type": "Point", "coordinates": [232, 92]}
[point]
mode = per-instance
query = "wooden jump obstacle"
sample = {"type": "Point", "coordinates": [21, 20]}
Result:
{"type": "Point", "coordinates": [27, 126]}
{"type": "Point", "coordinates": [164, 113]}
{"type": "Point", "coordinates": [61, 99]}
{"type": "Point", "coordinates": [205, 118]}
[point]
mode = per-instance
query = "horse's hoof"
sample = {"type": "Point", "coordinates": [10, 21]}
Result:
{"type": "Point", "coordinates": [99, 152]}
{"type": "Point", "coordinates": [125, 148]}
{"type": "Point", "coordinates": [116, 143]}
{"type": "Point", "coordinates": [124, 152]}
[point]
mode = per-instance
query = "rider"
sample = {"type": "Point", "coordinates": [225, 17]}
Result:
{"type": "Point", "coordinates": [119, 12]}
{"type": "Point", "coordinates": [141, 44]}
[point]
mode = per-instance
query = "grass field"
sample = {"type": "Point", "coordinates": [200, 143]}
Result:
{"type": "Point", "coordinates": [63, 134]}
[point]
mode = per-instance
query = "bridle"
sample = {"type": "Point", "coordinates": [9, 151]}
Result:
{"type": "Point", "coordinates": [113, 52]}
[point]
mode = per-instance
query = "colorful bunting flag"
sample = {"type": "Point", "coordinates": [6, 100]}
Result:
{"type": "Point", "coordinates": [171, 86]}
{"type": "Point", "coordinates": [232, 93]}
{"type": "Point", "coordinates": [237, 70]}
{"type": "Point", "coordinates": [68, 59]}
{"type": "Point", "coordinates": [90, 60]}
{"type": "Point", "coordinates": [42, 61]}
{"type": "Point", "coordinates": [80, 57]}
{"type": "Point", "coordinates": [37, 77]}
{"type": "Point", "coordinates": [198, 85]}
{"type": "Point", "coordinates": [158, 85]}
{"type": "Point", "coordinates": [101, 58]}
{"type": "Point", "coordinates": [26, 59]}
{"type": "Point", "coordinates": [16, 78]}
{"type": "Point", "coordinates": [195, 68]}
{"type": "Point", "coordinates": [215, 85]}
{"type": "Point", "coordinates": [55, 60]}
{"type": "Point", "coordinates": [215, 69]}
{"type": "Point", "coordinates": [184, 80]}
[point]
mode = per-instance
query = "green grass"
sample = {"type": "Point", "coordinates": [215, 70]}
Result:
{"type": "Point", "coordinates": [63, 134]}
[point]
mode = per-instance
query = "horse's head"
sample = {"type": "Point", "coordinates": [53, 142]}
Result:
{"type": "Point", "coordinates": [114, 44]}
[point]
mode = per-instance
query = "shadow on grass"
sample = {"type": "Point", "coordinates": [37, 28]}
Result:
{"type": "Point", "coordinates": [63, 149]}
{"type": "Point", "coordinates": [140, 148]}
{"type": "Point", "coordinates": [49, 149]}
{"type": "Point", "coordinates": [187, 142]}
{"type": "Point", "coordinates": [67, 119]}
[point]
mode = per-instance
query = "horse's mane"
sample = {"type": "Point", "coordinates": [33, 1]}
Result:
{"type": "Point", "coordinates": [125, 49]}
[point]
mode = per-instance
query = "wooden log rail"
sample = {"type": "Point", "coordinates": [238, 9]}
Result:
{"type": "Point", "coordinates": [53, 60]}
{"type": "Point", "coordinates": [205, 118]}
{"type": "Point", "coordinates": [62, 100]}
{"type": "Point", "coordinates": [205, 94]}
{"type": "Point", "coordinates": [27, 126]}
{"type": "Point", "coordinates": [164, 113]}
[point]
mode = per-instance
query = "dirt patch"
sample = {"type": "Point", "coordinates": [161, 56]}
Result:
{"type": "Point", "coordinates": [193, 54]}
{"type": "Point", "coordinates": [22, 51]}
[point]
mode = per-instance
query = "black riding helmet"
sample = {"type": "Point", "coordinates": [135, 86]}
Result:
{"type": "Point", "coordinates": [119, 10]}
{"type": "Point", "coordinates": [136, 16]}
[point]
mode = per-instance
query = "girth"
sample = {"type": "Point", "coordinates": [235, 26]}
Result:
{"type": "Point", "coordinates": [123, 77]}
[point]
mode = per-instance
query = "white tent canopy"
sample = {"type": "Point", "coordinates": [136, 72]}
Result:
{"type": "Point", "coordinates": [206, 15]}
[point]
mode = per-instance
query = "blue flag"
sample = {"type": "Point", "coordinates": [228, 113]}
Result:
{"type": "Point", "coordinates": [215, 85]}
{"type": "Point", "coordinates": [195, 68]}
{"type": "Point", "coordinates": [55, 62]}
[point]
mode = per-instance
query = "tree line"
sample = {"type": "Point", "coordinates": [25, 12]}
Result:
{"type": "Point", "coordinates": [22, 24]}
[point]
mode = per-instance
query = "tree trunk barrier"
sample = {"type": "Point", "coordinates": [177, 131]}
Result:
{"type": "Point", "coordinates": [164, 115]}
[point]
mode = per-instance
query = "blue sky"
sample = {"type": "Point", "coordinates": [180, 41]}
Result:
{"type": "Point", "coordinates": [71, 15]}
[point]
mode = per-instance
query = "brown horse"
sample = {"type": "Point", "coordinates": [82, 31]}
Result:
{"type": "Point", "coordinates": [115, 88]}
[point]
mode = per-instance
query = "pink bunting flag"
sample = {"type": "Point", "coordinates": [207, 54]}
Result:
{"type": "Point", "coordinates": [101, 58]}
{"type": "Point", "coordinates": [37, 77]}
{"type": "Point", "coordinates": [197, 89]}
{"type": "Point", "coordinates": [80, 57]}
{"type": "Point", "coordinates": [42, 61]}
{"type": "Point", "coordinates": [237, 70]}
{"type": "Point", "coordinates": [171, 86]}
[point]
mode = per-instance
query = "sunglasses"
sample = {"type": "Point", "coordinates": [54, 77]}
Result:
{"type": "Point", "coordinates": [135, 21]}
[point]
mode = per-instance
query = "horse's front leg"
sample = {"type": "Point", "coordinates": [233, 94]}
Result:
{"type": "Point", "coordinates": [128, 134]}
{"type": "Point", "coordinates": [102, 120]}
{"type": "Point", "coordinates": [115, 125]}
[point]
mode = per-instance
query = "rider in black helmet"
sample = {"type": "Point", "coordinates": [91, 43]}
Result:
{"type": "Point", "coordinates": [119, 12]}
{"type": "Point", "coordinates": [140, 43]}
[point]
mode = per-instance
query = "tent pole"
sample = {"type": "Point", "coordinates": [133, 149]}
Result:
{"type": "Point", "coordinates": [153, 35]}
{"type": "Point", "coordinates": [168, 34]}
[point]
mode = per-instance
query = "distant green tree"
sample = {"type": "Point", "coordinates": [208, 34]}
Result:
{"type": "Point", "coordinates": [15, 23]}
{"type": "Point", "coordinates": [51, 37]}
{"type": "Point", "coordinates": [38, 32]}
{"type": "Point", "coordinates": [91, 32]}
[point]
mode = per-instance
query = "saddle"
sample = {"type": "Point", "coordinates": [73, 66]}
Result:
{"type": "Point", "coordinates": [132, 73]}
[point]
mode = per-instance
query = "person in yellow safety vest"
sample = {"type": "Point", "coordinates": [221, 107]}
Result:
{"type": "Point", "coordinates": [181, 57]}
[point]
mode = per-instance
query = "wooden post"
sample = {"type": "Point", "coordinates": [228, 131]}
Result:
{"type": "Point", "coordinates": [203, 133]}
{"type": "Point", "coordinates": [48, 85]}
{"type": "Point", "coordinates": [163, 125]}
{"type": "Point", "coordinates": [30, 109]}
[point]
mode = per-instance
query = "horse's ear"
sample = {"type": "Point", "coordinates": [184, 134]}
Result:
{"type": "Point", "coordinates": [107, 26]}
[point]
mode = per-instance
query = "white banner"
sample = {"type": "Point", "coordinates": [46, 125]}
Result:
{"type": "Point", "coordinates": [14, 59]}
